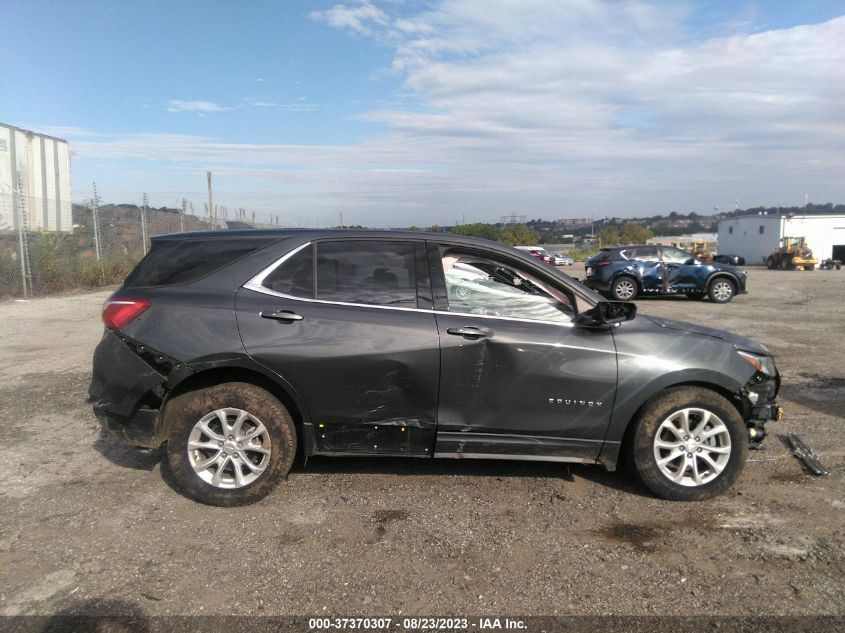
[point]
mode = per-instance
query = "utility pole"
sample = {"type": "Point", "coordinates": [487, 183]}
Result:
{"type": "Point", "coordinates": [210, 205]}
{"type": "Point", "coordinates": [95, 212]}
{"type": "Point", "coordinates": [182, 216]}
{"type": "Point", "coordinates": [341, 219]}
{"type": "Point", "coordinates": [806, 202]}
{"type": "Point", "coordinates": [144, 224]}
{"type": "Point", "coordinates": [26, 274]}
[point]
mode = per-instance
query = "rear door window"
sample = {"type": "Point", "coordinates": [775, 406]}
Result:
{"type": "Point", "coordinates": [645, 254]}
{"type": "Point", "coordinates": [295, 275]}
{"type": "Point", "coordinates": [372, 272]}
{"type": "Point", "coordinates": [172, 262]}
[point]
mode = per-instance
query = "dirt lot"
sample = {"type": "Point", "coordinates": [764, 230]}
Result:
{"type": "Point", "coordinates": [90, 524]}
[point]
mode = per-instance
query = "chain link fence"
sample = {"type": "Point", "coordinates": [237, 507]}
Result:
{"type": "Point", "coordinates": [100, 248]}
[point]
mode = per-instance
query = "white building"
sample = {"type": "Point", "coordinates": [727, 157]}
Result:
{"type": "Point", "coordinates": [754, 237]}
{"type": "Point", "coordinates": [41, 164]}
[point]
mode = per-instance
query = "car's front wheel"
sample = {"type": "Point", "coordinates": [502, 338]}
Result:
{"type": "Point", "coordinates": [689, 444]}
{"type": "Point", "coordinates": [229, 444]}
{"type": "Point", "coordinates": [624, 288]}
{"type": "Point", "coordinates": [721, 290]}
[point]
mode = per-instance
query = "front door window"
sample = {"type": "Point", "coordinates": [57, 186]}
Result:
{"type": "Point", "coordinates": [484, 287]}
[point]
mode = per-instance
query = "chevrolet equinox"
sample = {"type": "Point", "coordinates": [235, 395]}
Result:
{"type": "Point", "coordinates": [239, 349]}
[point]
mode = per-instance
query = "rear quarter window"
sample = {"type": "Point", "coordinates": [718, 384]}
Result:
{"type": "Point", "coordinates": [172, 262]}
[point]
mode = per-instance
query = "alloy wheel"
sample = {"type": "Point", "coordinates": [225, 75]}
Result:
{"type": "Point", "coordinates": [723, 290]}
{"type": "Point", "coordinates": [692, 447]}
{"type": "Point", "coordinates": [624, 289]}
{"type": "Point", "coordinates": [229, 448]}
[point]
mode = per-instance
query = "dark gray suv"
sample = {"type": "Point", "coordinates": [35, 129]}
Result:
{"type": "Point", "coordinates": [241, 348]}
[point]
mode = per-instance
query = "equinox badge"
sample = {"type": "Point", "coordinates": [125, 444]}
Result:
{"type": "Point", "coordinates": [578, 403]}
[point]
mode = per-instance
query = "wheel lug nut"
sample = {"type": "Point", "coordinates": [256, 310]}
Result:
{"type": "Point", "coordinates": [219, 443]}
{"type": "Point", "coordinates": [225, 454]}
{"type": "Point", "coordinates": [698, 439]}
{"type": "Point", "coordinates": [689, 454]}
{"type": "Point", "coordinates": [231, 437]}
{"type": "Point", "coordinates": [240, 444]}
{"type": "Point", "coordinates": [686, 437]}
{"type": "Point", "coordinates": [698, 450]}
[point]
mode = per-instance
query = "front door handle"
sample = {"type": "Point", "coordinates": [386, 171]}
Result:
{"type": "Point", "coordinates": [470, 331]}
{"type": "Point", "coordinates": [282, 315]}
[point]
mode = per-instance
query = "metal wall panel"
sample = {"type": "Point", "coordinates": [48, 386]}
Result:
{"type": "Point", "coordinates": [43, 163]}
{"type": "Point", "coordinates": [7, 222]}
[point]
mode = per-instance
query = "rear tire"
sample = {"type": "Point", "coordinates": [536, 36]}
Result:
{"type": "Point", "coordinates": [242, 443]}
{"type": "Point", "coordinates": [624, 288]}
{"type": "Point", "coordinates": [691, 470]}
{"type": "Point", "coordinates": [770, 262]}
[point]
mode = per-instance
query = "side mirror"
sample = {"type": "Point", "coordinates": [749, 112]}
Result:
{"type": "Point", "coordinates": [606, 313]}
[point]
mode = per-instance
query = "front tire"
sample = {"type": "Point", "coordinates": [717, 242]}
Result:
{"type": "Point", "coordinates": [689, 444]}
{"type": "Point", "coordinates": [721, 290]}
{"type": "Point", "coordinates": [624, 288]}
{"type": "Point", "coordinates": [230, 444]}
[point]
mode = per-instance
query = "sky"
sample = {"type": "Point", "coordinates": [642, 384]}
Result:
{"type": "Point", "coordinates": [399, 113]}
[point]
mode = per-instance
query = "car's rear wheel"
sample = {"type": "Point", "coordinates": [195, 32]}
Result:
{"type": "Point", "coordinates": [229, 444]}
{"type": "Point", "coordinates": [624, 288]}
{"type": "Point", "coordinates": [689, 444]}
{"type": "Point", "coordinates": [721, 290]}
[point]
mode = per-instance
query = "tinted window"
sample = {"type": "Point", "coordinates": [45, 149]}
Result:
{"type": "Point", "coordinates": [294, 276]}
{"type": "Point", "coordinates": [180, 261]}
{"type": "Point", "coordinates": [367, 271]}
{"type": "Point", "coordinates": [482, 286]}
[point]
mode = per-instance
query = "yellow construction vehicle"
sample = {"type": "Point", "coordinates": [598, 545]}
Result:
{"type": "Point", "coordinates": [702, 251]}
{"type": "Point", "coordinates": [792, 254]}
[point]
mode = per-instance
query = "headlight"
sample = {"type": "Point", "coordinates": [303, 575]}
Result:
{"type": "Point", "coordinates": [763, 364]}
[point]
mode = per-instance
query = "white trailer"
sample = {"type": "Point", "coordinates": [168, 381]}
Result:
{"type": "Point", "coordinates": [34, 181]}
{"type": "Point", "coordinates": [754, 237]}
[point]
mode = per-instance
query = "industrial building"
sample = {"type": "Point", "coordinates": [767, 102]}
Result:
{"type": "Point", "coordinates": [34, 181]}
{"type": "Point", "coordinates": [754, 237]}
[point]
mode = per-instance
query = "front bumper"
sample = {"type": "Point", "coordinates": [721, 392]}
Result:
{"type": "Point", "coordinates": [760, 399]}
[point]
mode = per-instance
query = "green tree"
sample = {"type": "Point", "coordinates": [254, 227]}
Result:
{"type": "Point", "coordinates": [633, 233]}
{"type": "Point", "coordinates": [608, 236]}
{"type": "Point", "coordinates": [477, 229]}
{"type": "Point", "coordinates": [518, 235]}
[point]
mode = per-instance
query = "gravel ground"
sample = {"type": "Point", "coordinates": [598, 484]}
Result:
{"type": "Point", "coordinates": [90, 524]}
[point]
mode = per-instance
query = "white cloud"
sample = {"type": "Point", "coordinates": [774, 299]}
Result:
{"type": "Point", "coordinates": [196, 106]}
{"type": "Point", "coordinates": [557, 108]}
{"type": "Point", "coordinates": [361, 18]}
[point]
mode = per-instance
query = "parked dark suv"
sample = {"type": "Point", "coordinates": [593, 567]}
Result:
{"type": "Point", "coordinates": [625, 272]}
{"type": "Point", "coordinates": [239, 349]}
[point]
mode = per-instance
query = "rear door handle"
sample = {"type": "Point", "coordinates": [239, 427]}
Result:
{"type": "Point", "coordinates": [282, 315]}
{"type": "Point", "coordinates": [470, 331]}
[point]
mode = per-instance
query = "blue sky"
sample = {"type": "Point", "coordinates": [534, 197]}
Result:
{"type": "Point", "coordinates": [399, 113]}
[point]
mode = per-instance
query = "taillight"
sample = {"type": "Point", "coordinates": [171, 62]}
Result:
{"type": "Point", "coordinates": [118, 313]}
{"type": "Point", "coordinates": [604, 263]}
